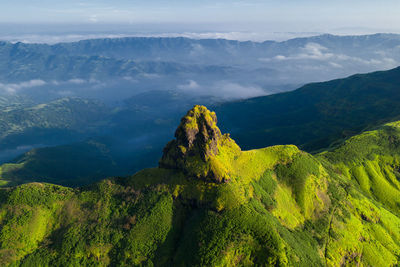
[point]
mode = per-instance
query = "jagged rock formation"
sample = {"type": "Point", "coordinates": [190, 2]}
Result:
{"type": "Point", "coordinates": [197, 147]}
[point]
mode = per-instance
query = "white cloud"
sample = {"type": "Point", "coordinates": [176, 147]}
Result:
{"type": "Point", "coordinates": [197, 50]}
{"type": "Point", "coordinates": [32, 83]}
{"type": "Point", "coordinates": [191, 85]}
{"type": "Point", "coordinates": [13, 88]}
{"type": "Point", "coordinates": [315, 51]}
{"type": "Point", "coordinates": [93, 19]}
{"type": "Point", "coordinates": [76, 81]}
{"type": "Point", "coordinates": [335, 65]}
{"type": "Point", "coordinates": [230, 90]}
{"type": "Point", "coordinates": [381, 62]}
{"type": "Point", "coordinates": [280, 57]}
{"type": "Point", "coordinates": [130, 79]}
{"type": "Point", "coordinates": [222, 89]}
{"type": "Point", "coordinates": [150, 75]}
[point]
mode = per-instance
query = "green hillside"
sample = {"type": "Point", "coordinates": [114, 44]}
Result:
{"type": "Point", "coordinates": [212, 204]}
{"type": "Point", "coordinates": [61, 119]}
{"type": "Point", "coordinates": [315, 115]}
{"type": "Point", "coordinates": [69, 113]}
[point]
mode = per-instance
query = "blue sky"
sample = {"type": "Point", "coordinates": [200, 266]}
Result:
{"type": "Point", "coordinates": [240, 15]}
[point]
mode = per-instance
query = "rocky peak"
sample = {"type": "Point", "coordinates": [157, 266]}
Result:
{"type": "Point", "coordinates": [196, 146]}
{"type": "Point", "coordinates": [198, 132]}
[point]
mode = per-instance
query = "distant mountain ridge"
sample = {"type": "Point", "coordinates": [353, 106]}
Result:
{"type": "Point", "coordinates": [118, 52]}
{"type": "Point", "coordinates": [152, 48]}
{"type": "Point", "coordinates": [62, 67]}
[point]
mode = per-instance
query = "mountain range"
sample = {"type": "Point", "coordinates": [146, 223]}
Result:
{"type": "Point", "coordinates": [112, 70]}
{"type": "Point", "coordinates": [308, 177]}
{"type": "Point", "coordinates": [211, 203]}
{"type": "Point", "coordinates": [136, 78]}
{"type": "Point", "coordinates": [315, 117]}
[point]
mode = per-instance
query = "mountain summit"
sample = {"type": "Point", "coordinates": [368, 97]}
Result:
{"type": "Point", "coordinates": [199, 148]}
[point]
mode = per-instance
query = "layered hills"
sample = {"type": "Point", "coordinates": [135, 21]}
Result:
{"type": "Point", "coordinates": [112, 70]}
{"type": "Point", "coordinates": [211, 203]}
{"type": "Point", "coordinates": [317, 114]}
{"type": "Point", "coordinates": [315, 117]}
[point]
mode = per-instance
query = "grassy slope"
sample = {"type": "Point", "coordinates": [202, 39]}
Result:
{"type": "Point", "coordinates": [372, 160]}
{"type": "Point", "coordinates": [319, 113]}
{"type": "Point", "coordinates": [59, 121]}
{"type": "Point", "coordinates": [282, 206]}
{"type": "Point", "coordinates": [66, 113]}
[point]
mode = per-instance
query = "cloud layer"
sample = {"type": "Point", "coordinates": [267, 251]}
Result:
{"type": "Point", "coordinates": [225, 90]}
{"type": "Point", "coordinates": [316, 52]}
{"type": "Point", "coordinates": [12, 88]}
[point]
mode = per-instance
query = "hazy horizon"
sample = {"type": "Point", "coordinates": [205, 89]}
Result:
{"type": "Point", "coordinates": [55, 33]}
{"type": "Point", "coordinates": [255, 20]}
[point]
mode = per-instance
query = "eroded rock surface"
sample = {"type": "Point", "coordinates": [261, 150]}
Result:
{"type": "Point", "coordinates": [197, 146]}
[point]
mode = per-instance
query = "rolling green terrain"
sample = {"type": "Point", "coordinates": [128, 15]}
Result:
{"type": "Point", "coordinates": [315, 115]}
{"type": "Point", "coordinates": [212, 204]}
{"type": "Point", "coordinates": [57, 121]}
{"type": "Point", "coordinates": [64, 113]}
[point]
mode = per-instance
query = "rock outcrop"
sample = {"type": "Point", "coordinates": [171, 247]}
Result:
{"type": "Point", "coordinates": [198, 147]}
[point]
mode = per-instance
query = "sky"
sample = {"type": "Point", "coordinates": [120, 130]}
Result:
{"type": "Point", "coordinates": [251, 16]}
